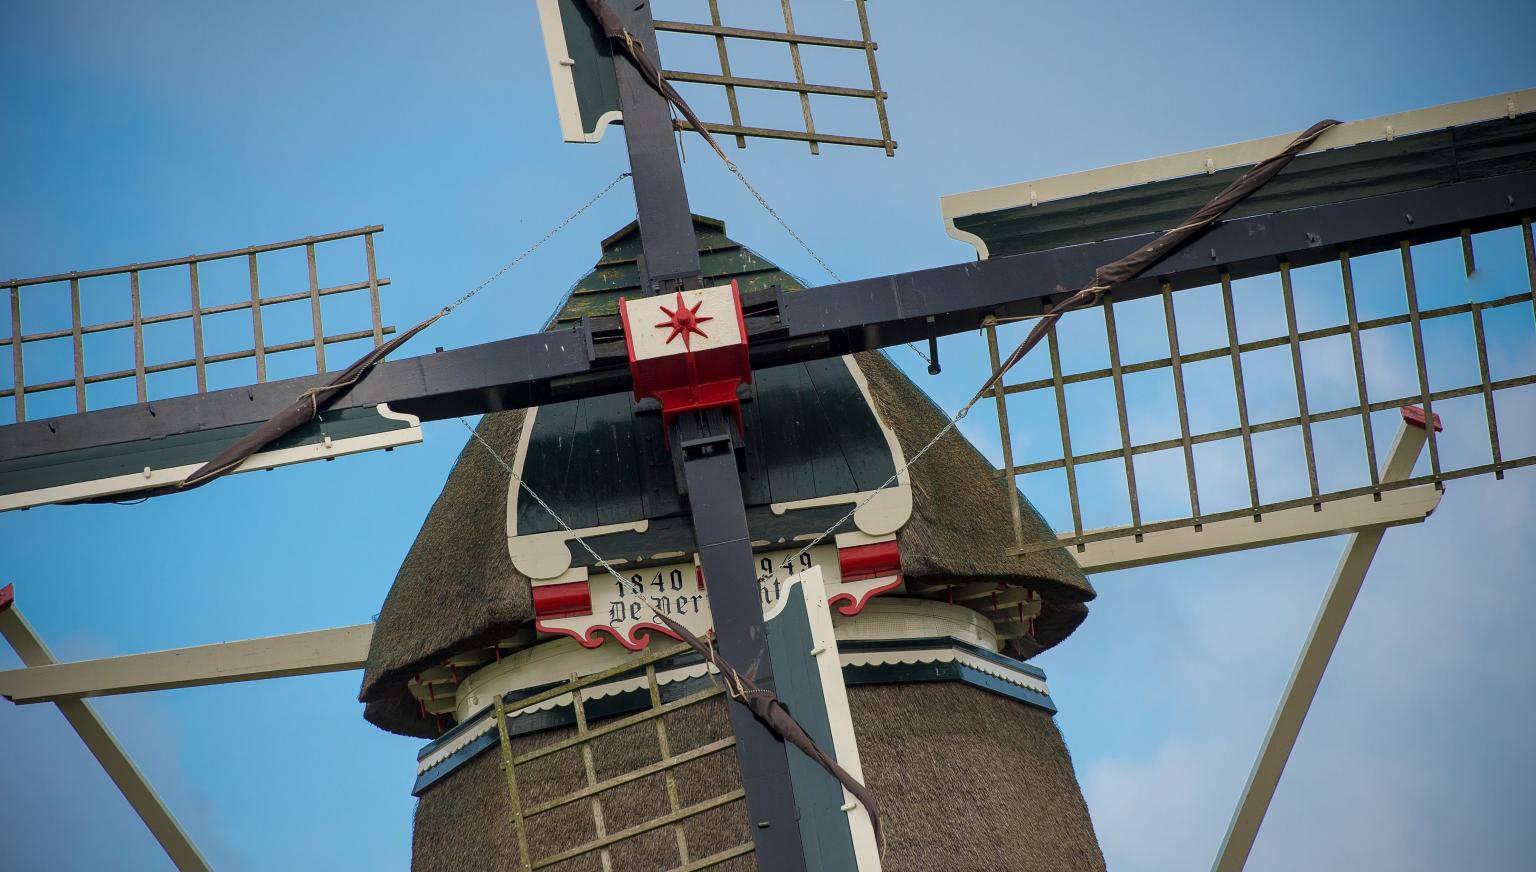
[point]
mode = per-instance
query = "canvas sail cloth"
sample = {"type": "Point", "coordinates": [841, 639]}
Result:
{"type": "Point", "coordinates": [818, 431]}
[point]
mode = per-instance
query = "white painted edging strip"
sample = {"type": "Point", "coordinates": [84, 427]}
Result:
{"type": "Point", "coordinates": [567, 107]}
{"type": "Point", "coordinates": [845, 747]}
{"type": "Point", "coordinates": [558, 660]}
{"type": "Point", "coordinates": [150, 478]}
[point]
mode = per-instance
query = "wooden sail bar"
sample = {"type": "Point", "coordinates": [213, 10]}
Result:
{"type": "Point", "coordinates": [195, 258]}
{"type": "Point", "coordinates": [257, 302]}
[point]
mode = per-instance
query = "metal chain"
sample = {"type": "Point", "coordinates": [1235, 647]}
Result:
{"type": "Point", "coordinates": [537, 245]}
{"type": "Point", "coordinates": [736, 171]}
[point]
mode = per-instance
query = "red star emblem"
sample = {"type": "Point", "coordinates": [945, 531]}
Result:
{"type": "Point", "coordinates": [684, 321]}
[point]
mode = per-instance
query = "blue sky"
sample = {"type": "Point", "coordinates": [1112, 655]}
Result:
{"type": "Point", "coordinates": [153, 130]}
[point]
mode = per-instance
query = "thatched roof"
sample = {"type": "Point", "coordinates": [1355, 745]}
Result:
{"type": "Point", "coordinates": [966, 779]}
{"type": "Point", "coordinates": [960, 528]}
{"type": "Point", "coordinates": [457, 588]}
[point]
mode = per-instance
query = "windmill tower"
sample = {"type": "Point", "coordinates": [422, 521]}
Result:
{"type": "Point", "coordinates": [934, 620]}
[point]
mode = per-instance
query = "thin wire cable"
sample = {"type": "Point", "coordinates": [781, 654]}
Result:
{"type": "Point", "coordinates": [540, 500]}
{"type": "Point", "coordinates": [788, 561]}
{"type": "Point", "coordinates": [943, 431]}
{"type": "Point", "coordinates": [762, 201]}
{"type": "Point", "coordinates": [537, 245]}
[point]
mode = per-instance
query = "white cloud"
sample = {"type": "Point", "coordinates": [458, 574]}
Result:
{"type": "Point", "coordinates": [1419, 748]}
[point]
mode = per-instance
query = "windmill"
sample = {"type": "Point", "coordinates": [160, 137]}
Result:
{"type": "Point", "coordinates": [834, 317]}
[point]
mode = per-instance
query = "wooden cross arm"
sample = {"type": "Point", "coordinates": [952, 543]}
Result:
{"type": "Point", "coordinates": [583, 361]}
{"type": "Point", "coordinates": [308, 653]}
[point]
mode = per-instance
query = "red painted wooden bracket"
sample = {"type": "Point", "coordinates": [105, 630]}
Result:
{"type": "Point", "coordinates": [1415, 415]}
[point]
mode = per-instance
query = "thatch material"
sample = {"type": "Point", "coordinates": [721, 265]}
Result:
{"type": "Point", "coordinates": [961, 527]}
{"type": "Point", "coordinates": [457, 587]}
{"type": "Point", "coordinates": [968, 781]}
{"type": "Point", "coordinates": [464, 823]}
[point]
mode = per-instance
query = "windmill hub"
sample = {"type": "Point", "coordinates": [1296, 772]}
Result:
{"type": "Point", "coordinates": [684, 321]}
{"type": "Point", "coordinates": [704, 369]}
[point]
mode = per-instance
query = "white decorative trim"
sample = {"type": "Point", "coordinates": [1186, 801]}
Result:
{"type": "Point", "coordinates": [883, 619]}
{"type": "Point", "coordinates": [886, 618]}
{"type": "Point", "coordinates": [540, 666]}
{"type": "Point", "coordinates": [325, 449]}
{"type": "Point", "coordinates": [887, 509]}
{"type": "Point", "coordinates": [546, 557]}
{"type": "Point", "coordinates": [543, 556]}
{"type": "Point", "coordinates": [776, 608]}
{"type": "Point", "coordinates": [519, 458]}
{"type": "Point", "coordinates": [845, 746]}
{"type": "Point", "coordinates": [1210, 160]}
{"type": "Point", "coordinates": [947, 655]}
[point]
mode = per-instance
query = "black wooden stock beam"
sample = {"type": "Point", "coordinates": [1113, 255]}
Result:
{"type": "Point", "coordinates": [671, 251]}
{"type": "Point", "coordinates": [508, 374]}
{"type": "Point", "coordinates": [878, 312]}
{"type": "Point", "coordinates": [724, 546]}
{"type": "Point", "coordinates": [826, 321]}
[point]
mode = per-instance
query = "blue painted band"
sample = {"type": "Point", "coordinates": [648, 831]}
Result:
{"type": "Point", "coordinates": [629, 701]}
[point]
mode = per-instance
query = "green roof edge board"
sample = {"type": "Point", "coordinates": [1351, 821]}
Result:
{"type": "Point", "coordinates": [617, 272]}
{"type": "Point", "coordinates": [1392, 153]}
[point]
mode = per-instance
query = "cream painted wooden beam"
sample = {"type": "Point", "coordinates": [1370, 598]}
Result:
{"type": "Point", "coordinates": [317, 651]}
{"type": "Point", "coordinates": [1348, 578]}
{"type": "Point", "coordinates": [104, 746]}
{"type": "Point", "coordinates": [1406, 506]}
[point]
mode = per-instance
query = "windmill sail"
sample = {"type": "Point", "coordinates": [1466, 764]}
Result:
{"type": "Point", "coordinates": [235, 305]}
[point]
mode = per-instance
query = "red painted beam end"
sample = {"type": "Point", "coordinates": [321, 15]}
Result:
{"type": "Point", "coordinates": [1415, 415]}
{"type": "Point", "coordinates": [7, 596]}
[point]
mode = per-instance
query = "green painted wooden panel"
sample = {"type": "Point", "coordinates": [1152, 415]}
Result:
{"type": "Point", "coordinates": [1411, 162]}
{"type": "Point", "coordinates": [625, 246]}
{"type": "Point", "coordinates": [824, 828]}
{"type": "Point", "coordinates": [817, 434]}
{"type": "Point", "coordinates": [602, 461]}
{"type": "Point", "coordinates": [108, 461]}
{"type": "Point", "coordinates": [625, 275]}
{"type": "Point", "coordinates": [597, 86]}
{"type": "Point", "coordinates": [617, 273]}
{"type": "Point", "coordinates": [602, 302]}
{"type": "Point", "coordinates": [803, 460]}
{"type": "Point", "coordinates": [598, 462]}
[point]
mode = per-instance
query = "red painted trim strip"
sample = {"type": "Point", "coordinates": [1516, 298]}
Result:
{"type": "Point", "coordinates": [1415, 415]}
{"type": "Point", "coordinates": [848, 605]}
{"type": "Point", "coordinates": [741, 324]}
{"type": "Point", "coordinates": [562, 600]}
{"type": "Point", "coordinates": [860, 562]}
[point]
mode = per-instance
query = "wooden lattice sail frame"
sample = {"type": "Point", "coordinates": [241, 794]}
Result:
{"type": "Point", "coordinates": [1356, 161]}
